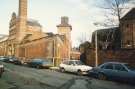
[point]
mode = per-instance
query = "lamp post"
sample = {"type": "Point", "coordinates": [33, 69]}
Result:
{"type": "Point", "coordinates": [96, 46]}
{"type": "Point", "coordinates": [58, 53]}
{"type": "Point", "coordinates": [53, 52]}
{"type": "Point", "coordinates": [96, 50]}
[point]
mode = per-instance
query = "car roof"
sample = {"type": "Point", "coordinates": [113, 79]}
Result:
{"type": "Point", "coordinates": [116, 62]}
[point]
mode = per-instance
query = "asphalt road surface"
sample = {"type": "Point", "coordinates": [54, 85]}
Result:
{"type": "Point", "coordinates": [19, 77]}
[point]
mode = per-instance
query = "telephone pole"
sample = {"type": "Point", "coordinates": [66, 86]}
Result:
{"type": "Point", "coordinates": [96, 50]}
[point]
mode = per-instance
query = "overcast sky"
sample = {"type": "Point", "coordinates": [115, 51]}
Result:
{"type": "Point", "coordinates": [82, 14]}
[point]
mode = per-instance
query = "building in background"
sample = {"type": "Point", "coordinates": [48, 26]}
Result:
{"type": "Point", "coordinates": [26, 39]}
{"type": "Point", "coordinates": [122, 37]}
{"type": "Point", "coordinates": [115, 44]}
{"type": "Point", "coordinates": [108, 38]}
{"type": "Point", "coordinates": [127, 27]}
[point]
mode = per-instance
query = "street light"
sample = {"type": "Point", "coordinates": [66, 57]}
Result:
{"type": "Point", "coordinates": [53, 52]}
{"type": "Point", "coordinates": [96, 50]}
{"type": "Point", "coordinates": [58, 53]}
{"type": "Point", "coordinates": [96, 45]}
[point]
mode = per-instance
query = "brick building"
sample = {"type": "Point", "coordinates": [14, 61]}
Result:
{"type": "Point", "coordinates": [118, 37]}
{"type": "Point", "coordinates": [26, 39]}
{"type": "Point", "coordinates": [115, 44]}
{"type": "Point", "coordinates": [127, 27]}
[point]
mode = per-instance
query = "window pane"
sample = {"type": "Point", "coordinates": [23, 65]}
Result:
{"type": "Point", "coordinates": [118, 67]}
{"type": "Point", "coordinates": [109, 66]}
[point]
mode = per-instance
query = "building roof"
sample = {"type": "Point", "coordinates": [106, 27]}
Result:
{"type": "Point", "coordinates": [64, 22]}
{"type": "Point", "coordinates": [63, 25]}
{"type": "Point", "coordinates": [33, 23]}
{"type": "Point", "coordinates": [130, 15]}
{"type": "Point", "coordinates": [106, 30]}
{"type": "Point", "coordinates": [3, 38]}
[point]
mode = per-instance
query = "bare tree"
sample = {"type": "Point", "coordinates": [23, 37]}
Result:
{"type": "Point", "coordinates": [114, 11]}
{"type": "Point", "coordinates": [83, 38]}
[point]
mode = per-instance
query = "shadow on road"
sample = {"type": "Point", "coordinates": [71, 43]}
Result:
{"type": "Point", "coordinates": [73, 81]}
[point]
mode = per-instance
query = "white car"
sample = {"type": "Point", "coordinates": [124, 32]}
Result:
{"type": "Point", "coordinates": [75, 66]}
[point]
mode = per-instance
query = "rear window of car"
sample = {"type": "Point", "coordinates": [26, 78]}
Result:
{"type": "Point", "coordinates": [120, 67]}
{"type": "Point", "coordinates": [130, 67]}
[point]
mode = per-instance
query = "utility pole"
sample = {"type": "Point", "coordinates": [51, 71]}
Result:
{"type": "Point", "coordinates": [96, 50]}
{"type": "Point", "coordinates": [54, 51]}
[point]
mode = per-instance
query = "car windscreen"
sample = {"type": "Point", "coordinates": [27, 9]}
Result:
{"type": "Point", "coordinates": [130, 67]}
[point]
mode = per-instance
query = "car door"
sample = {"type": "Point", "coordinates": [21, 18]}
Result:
{"type": "Point", "coordinates": [71, 66]}
{"type": "Point", "coordinates": [121, 73]}
{"type": "Point", "coordinates": [65, 65]}
{"type": "Point", "coordinates": [108, 70]}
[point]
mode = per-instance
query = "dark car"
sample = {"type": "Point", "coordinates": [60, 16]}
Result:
{"type": "Point", "coordinates": [1, 69]}
{"type": "Point", "coordinates": [40, 63]}
{"type": "Point", "coordinates": [16, 61]}
{"type": "Point", "coordinates": [114, 71]}
{"type": "Point", "coordinates": [13, 60]}
{"type": "Point", "coordinates": [2, 58]}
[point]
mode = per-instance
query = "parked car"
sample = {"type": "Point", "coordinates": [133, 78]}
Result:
{"type": "Point", "coordinates": [75, 66]}
{"type": "Point", "coordinates": [2, 58]}
{"type": "Point", "coordinates": [114, 71]}
{"type": "Point", "coordinates": [1, 69]}
{"type": "Point", "coordinates": [12, 60]}
{"type": "Point", "coordinates": [16, 61]}
{"type": "Point", "coordinates": [40, 63]}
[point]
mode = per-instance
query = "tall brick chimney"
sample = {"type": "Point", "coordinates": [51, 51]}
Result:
{"type": "Point", "coordinates": [22, 19]}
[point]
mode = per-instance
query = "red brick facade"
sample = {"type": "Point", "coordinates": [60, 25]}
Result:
{"type": "Point", "coordinates": [26, 39]}
{"type": "Point", "coordinates": [126, 56]}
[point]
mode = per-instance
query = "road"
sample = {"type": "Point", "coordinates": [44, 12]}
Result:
{"type": "Point", "coordinates": [20, 77]}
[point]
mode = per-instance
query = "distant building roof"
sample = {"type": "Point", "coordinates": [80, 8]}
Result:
{"type": "Point", "coordinates": [108, 36]}
{"type": "Point", "coordinates": [49, 34]}
{"type": "Point", "coordinates": [3, 37]}
{"type": "Point", "coordinates": [64, 22]}
{"type": "Point", "coordinates": [130, 15]}
{"type": "Point", "coordinates": [32, 22]}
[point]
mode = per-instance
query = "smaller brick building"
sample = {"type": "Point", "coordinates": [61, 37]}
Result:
{"type": "Point", "coordinates": [115, 44]}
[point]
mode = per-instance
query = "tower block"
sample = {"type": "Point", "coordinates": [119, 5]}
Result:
{"type": "Point", "coordinates": [64, 28]}
{"type": "Point", "coordinates": [22, 20]}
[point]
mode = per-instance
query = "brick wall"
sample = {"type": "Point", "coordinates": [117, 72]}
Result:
{"type": "Point", "coordinates": [125, 55]}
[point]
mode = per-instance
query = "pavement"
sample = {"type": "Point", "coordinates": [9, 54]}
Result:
{"type": "Point", "coordinates": [20, 77]}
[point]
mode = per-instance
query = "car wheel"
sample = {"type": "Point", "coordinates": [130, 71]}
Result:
{"type": "Point", "coordinates": [102, 76]}
{"type": "Point", "coordinates": [79, 72]}
{"type": "Point", "coordinates": [62, 70]}
{"type": "Point", "coordinates": [38, 67]}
